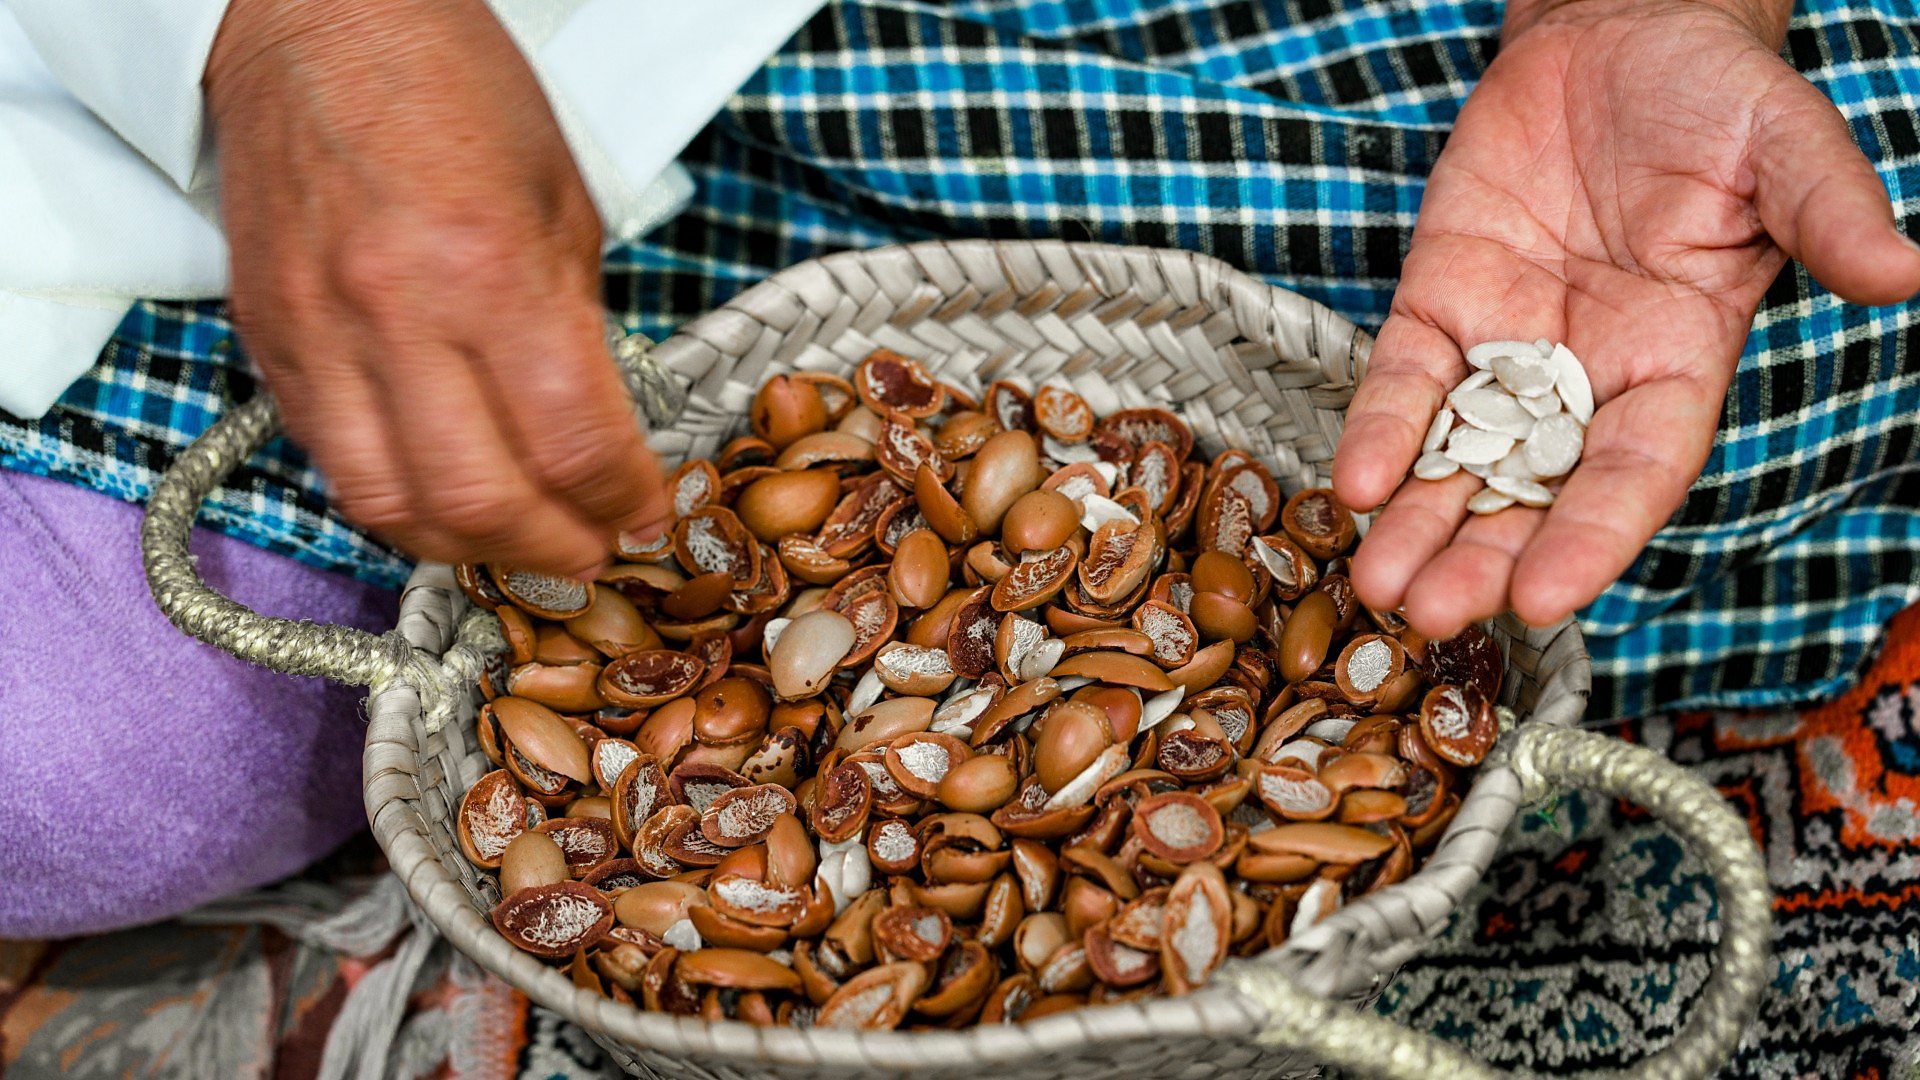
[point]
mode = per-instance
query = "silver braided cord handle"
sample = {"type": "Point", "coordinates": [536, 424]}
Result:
{"type": "Point", "coordinates": [1546, 758]}
{"type": "Point", "coordinates": [296, 647]}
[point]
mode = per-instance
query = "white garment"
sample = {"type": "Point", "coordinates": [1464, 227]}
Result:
{"type": "Point", "coordinates": [108, 188]}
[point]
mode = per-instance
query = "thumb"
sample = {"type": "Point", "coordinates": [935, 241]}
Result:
{"type": "Point", "coordinates": [1822, 202]}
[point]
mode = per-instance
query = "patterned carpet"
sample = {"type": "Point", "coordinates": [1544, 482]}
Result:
{"type": "Point", "coordinates": [1583, 949]}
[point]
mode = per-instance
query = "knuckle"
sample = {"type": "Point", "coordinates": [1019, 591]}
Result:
{"type": "Point", "coordinates": [385, 268]}
{"type": "Point", "coordinates": [591, 463]}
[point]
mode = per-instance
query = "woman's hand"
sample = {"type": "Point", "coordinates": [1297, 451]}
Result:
{"type": "Point", "coordinates": [1628, 178]}
{"type": "Point", "coordinates": [416, 268]}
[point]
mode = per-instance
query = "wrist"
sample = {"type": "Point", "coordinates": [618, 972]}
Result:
{"type": "Point", "coordinates": [1765, 19]}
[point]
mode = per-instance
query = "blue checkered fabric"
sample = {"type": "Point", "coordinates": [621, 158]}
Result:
{"type": "Point", "coordinates": [1288, 137]}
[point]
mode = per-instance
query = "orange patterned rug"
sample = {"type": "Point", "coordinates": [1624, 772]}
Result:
{"type": "Point", "coordinates": [1583, 949]}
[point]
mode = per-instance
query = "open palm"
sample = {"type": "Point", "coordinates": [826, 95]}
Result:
{"type": "Point", "coordinates": [1629, 184]}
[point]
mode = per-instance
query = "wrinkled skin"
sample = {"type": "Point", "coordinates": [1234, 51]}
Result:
{"type": "Point", "coordinates": [416, 269]}
{"type": "Point", "coordinates": [1629, 177]}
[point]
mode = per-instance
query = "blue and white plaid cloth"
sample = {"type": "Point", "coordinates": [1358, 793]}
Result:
{"type": "Point", "coordinates": [1289, 138]}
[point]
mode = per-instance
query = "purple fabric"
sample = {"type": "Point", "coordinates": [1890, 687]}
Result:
{"type": "Point", "coordinates": [142, 773]}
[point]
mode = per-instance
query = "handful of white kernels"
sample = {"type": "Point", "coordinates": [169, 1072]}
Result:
{"type": "Point", "coordinates": [1518, 422]}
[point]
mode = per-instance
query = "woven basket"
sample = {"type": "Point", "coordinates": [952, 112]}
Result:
{"type": "Point", "coordinates": [1248, 366]}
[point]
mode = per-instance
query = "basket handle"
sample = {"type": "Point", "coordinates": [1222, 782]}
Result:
{"type": "Point", "coordinates": [298, 646]}
{"type": "Point", "coordinates": [1545, 758]}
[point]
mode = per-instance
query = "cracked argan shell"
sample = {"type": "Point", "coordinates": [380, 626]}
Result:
{"type": "Point", "coordinates": [1178, 826]}
{"type": "Point", "coordinates": [585, 841]}
{"type": "Point", "coordinates": [912, 933]}
{"type": "Point", "coordinates": [885, 380]}
{"type": "Point", "coordinates": [913, 670]}
{"type": "Point", "coordinates": [1170, 631]}
{"type": "Point", "coordinates": [638, 794]}
{"type": "Point", "coordinates": [849, 529]}
{"type": "Point", "coordinates": [545, 595]}
{"type": "Point", "coordinates": [841, 803]}
{"type": "Point", "coordinates": [1316, 521]}
{"type": "Point", "coordinates": [554, 921]}
{"type": "Point", "coordinates": [1469, 658]}
{"type": "Point", "coordinates": [745, 815]}
{"type": "Point", "coordinates": [1198, 927]}
{"type": "Point", "coordinates": [1115, 963]}
{"type": "Point", "coordinates": [492, 815]}
{"type": "Point", "coordinates": [1063, 414]}
{"type": "Point", "coordinates": [1034, 581]}
{"type": "Point", "coordinates": [1119, 557]}
{"type": "Point", "coordinates": [874, 1000]}
{"type": "Point", "coordinates": [711, 540]}
{"type": "Point", "coordinates": [1458, 723]}
{"type": "Point", "coordinates": [693, 485]}
{"type": "Point", "coordinates": [651, 677]}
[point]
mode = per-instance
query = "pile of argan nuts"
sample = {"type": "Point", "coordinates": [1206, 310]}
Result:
{"type": "Point", "coordinates": [930, 712]}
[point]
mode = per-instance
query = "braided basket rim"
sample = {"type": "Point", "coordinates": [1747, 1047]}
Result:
{"type": "Point", "coordinates": [1350, 954]}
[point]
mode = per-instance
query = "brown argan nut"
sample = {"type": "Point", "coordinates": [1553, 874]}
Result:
{"type": "Point", "coordinates": [1116, 669]}
{"type": "Point", "coordinates": [1171, 632]}
{"type": "Point", "coordinates": [554, 921]}
{"type": "Point", "coordinates": [920, 571]}
{"type": "Point", "coordinates": [979, 785]}
{"type": "Point", "coordinates": [544, 737]}
{"type": "Point", "coordinates": [942, 511]}
{"type": "Point", "coordinates": [1218, 616]}
{"type": "Point", "coordinates": [1294, 793]}
{"type": "Point", "coordinates": [961, 981]}
{"type": "Point", "coordinates": [874, 1000]}
{"type": "Point", "coordinates": [785, 409]}
{"type": "Point", "coordinates": [1198, 928]}
{"type": "Point", "coordinates": [1316, 521]}
{"type": "Point", "coordinates": [809, 651]}
{"type": "Point", "coordinates": [1070, 736]}
{"type": "Point", "coordinates": [884, 722]}
{"type": "Point", "coordinates": [1140, 922]}
{"type": "Point", "coordinates": [1007, 467]}
{"type": "Point", "coordinates": [570, 688]}
{"type": "Point", "coordinates": [657, 905]}
{"type": "Point", "coordinates": [731, 711]}
{"type": "Point", "coordinates": [722, 931]}
{"type": "Point", "coordinates": [1062, 414]}
{"type": "Point", "coordinates": [1217, 572]}
{"type": "Point", "coordinates": [893, 847]}
{"type": "Point", "coordinates": [533, 858]}
{"type": "Point", "coordinates": [785, 503]}
{"type": "Point", "coordinates": [1038, 521]}
{"type": "Point", "coordinates": [1322, 841]}
{"type": "Point", "coordinates": [692, 486]}
{"type": "Point", "coordinates": [1307, 636]}
{"type": "Point", "coordinates": [492, 815]}
{"type": "Point", "coordinates": [756, 902]}
{"type": "Point", "coordinates": [737, 969]}
{"type": "Point", "coordinates": [650, 677]}
{"type": "Point", "coordinates": [586, 842]}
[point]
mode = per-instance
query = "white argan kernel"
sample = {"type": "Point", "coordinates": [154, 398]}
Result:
{"type": "Point", "coordinates": [1524, 376]}
{"type": "Point", "coordinates": [1492, 409]}
{"type": "Point", "coordinates": [1521, 490]}
{"type": "Point", "coordinates": [1570, 379]}
{"type": "Point", "coordinates": [1473, 382]}
{"type": "Point", "coordinates": [1432, 466]}
{"type": "Point", "coordinates": [1437, 431]}
{"type": "Point", "coordinates": [1554, 446]}
{"type": "Point", "coordinates": [1545, 405]}
{"type": "Point", "coordinates": [1489, 501]}
{"type": "Point", "coordinates": [1471, 446]}
{"type": "Point", "coordinates": [1481, 356]}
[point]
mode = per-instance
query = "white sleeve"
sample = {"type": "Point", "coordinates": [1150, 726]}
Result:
{"type": "Point", "coordinates": [136, 64]}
